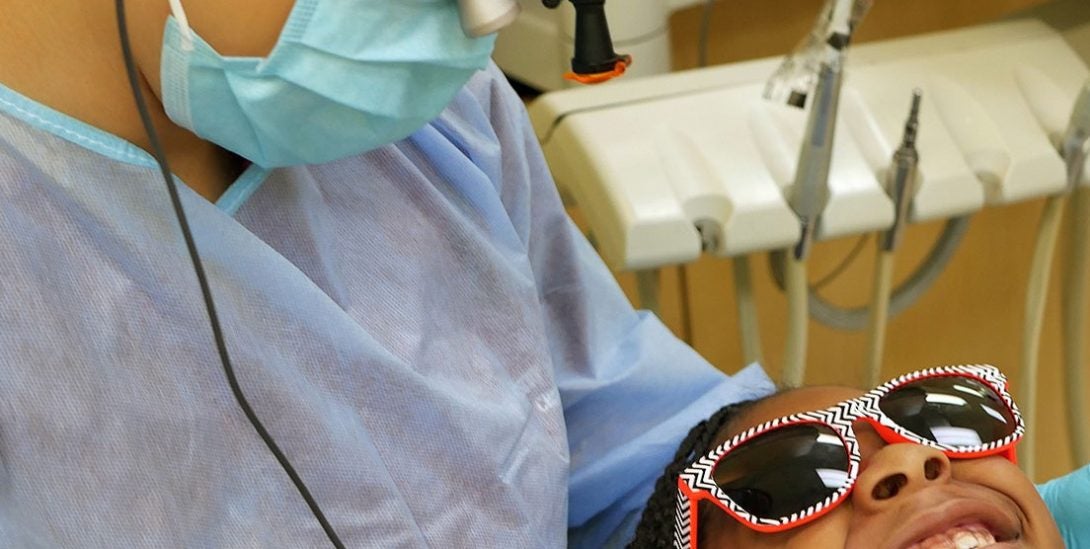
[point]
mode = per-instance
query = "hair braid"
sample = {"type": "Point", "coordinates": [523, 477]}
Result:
{"type": "Point", "coordinates": [656, 527]}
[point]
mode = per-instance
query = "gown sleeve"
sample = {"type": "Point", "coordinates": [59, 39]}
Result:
{"type": "Point", "coordinates": [630, 390]}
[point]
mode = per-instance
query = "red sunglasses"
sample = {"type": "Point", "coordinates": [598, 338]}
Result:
{"type": "Point", "coordinates": [794, 469]}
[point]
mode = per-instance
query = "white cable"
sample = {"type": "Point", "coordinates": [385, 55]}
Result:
{"type": "Point", "coordinates": [901, 185]}
{"type": "Point", "coordinates": [1072, 146]}
{"type": "Point", "coordinates": [1036, 294]}
{"type": "Point", "coordinates": [1076, 279]}
{"type": "Point", "coordinates": [879, 316]}
{"type": "Point", "coordinates": [747, 311]}
{"type": "Point", "coordinates": [798, 315]}
{"type": "Point", "coordinates": [809, 193]}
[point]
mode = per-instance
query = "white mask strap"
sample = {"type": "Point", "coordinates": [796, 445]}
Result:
{"type": "Point", "coordinates": [183, 21]}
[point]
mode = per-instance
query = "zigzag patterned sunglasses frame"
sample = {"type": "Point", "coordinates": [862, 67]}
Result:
{"type": "Point", "coordinates": [953, 409]}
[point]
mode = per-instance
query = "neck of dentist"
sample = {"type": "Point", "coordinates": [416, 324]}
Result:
{"type": "Point", "coordinates": [67, 56]}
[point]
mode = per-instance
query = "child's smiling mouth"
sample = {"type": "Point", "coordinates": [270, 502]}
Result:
{"type": "Point", "coordinates": [961, 522]}
{"type": "Point", "coordinates": [966, 536]}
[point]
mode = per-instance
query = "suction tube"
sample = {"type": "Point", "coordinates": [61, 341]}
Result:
{"type": "Point", "coordinates": [808, 198]}
{"type": "Point", "coordinates": [1075, 281]}
{"type": "Point", "coordinates": [810, 192]}
{"type": "Point", "coordinates": [1036, 294]}
{"type": "Point", "coordinates": [1077, 278]}
{"type": "Point", "coordinates": [748, 326]}
{"type": "Point", "coordinates": [901, 187]}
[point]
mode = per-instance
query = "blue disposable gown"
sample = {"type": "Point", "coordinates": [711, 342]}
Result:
{"type": "Point", "coordinates": [1068, 498]}
{"type": "Point", "coordinates": [438, 351]}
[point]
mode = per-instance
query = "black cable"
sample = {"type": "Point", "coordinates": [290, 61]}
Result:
{"type": "Point", "coordinates": [903, 297]}
{"type": "Point", "coordinates": [221, 345]}
{"type": "Point", "coordinates": [844, 264]}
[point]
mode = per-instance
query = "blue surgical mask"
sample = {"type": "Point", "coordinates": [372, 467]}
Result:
{"type": "Point", "coordinates": [345, 77]}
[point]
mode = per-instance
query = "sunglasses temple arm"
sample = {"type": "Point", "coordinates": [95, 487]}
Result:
{"type": "Point", "coordinates": [687, 516]}
{"type": "Point", "coordinates": [1011, 453]}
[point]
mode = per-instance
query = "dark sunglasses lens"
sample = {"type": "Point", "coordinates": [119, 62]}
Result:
{"type": "Point", "coordinates": [953, 411]}
{"type": "Point", "coordinates": [784, 471]}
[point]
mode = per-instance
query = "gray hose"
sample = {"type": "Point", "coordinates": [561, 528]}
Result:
{"type": "Point", "coordinates": [904, 296]}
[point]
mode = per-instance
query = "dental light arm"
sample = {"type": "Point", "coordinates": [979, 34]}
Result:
{"type": "Point", "coordinates": [594, 61]}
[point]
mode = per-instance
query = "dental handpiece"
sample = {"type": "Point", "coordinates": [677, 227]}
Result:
{"type": "Point", "coordinates": [810, 191]}
{"type": "Point", "coordinates": [901, 180]}
{"type": "Point", "coordinates": [793, 81]}
{"type": "Point", "coordinates": [1073, 146]}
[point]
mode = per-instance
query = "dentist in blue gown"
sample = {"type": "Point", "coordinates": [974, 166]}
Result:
{"type": "Point", "coordinates": [435, 348]}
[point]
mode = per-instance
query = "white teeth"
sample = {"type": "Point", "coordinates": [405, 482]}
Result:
{"type": "Point", "coordinates": [966, 540]}
{"type": "Point", "coordinates": [961, 537]}
{"type": "Point", "coordinates": [983, 536]}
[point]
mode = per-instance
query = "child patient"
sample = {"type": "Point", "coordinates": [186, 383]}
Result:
{"type": "Point", "coordinates": [924, 461]}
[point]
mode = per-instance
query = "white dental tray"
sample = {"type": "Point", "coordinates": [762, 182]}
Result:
{"type": "Point", "coordinates": [650, 160]}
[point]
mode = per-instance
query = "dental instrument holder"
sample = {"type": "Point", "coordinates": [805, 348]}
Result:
{"type": "Point", "coordinates": [594, 61]}
{"type": "Point", "coordinates": [901, 181]}
{"type": "Point", "coordinates": [810, 192]}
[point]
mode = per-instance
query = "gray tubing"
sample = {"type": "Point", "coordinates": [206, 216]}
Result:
{"type": "Point", "coordinates": [903, 297]}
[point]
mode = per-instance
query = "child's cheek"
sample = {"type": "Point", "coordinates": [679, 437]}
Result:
{"type": "Point", "coordinates": [1003, 477]}
{"type": "Point", "coordinates": [830, 531]}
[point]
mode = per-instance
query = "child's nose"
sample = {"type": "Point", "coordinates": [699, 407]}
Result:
{"type": "Point", "coordinates": [898, 470]}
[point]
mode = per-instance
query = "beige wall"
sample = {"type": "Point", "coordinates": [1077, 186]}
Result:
{"type": "Point", "coordinates": [748, 29]}
{"type": "Point", "coordinates": [974, 312]}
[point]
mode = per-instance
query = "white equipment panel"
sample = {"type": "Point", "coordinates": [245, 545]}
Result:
{"type": "Point", "coordinates": [651, 160]}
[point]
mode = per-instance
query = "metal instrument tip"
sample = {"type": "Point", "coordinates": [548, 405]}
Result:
{"type": "Point", "coordinates": [913, 123]}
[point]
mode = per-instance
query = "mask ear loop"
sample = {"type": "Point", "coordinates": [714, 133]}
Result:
{"type": "Point", "coordinates": [178, 11]}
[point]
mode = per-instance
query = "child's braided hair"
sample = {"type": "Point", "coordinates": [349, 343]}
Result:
{"type": "Point", "coordinates": [656, 527]}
